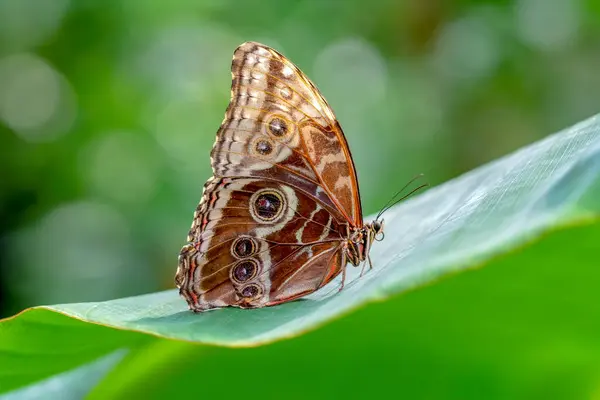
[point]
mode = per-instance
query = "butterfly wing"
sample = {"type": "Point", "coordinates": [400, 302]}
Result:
{"type": "Point", "coordinates": [273, 221]}
{"type": "Point", "coordinates": [278, 126]}
{"type": "Point", "coordinates": [255, 243]}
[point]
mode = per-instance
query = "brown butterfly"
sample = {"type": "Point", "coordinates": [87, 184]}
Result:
{"type": "Point", "coordinates": [281, 217]}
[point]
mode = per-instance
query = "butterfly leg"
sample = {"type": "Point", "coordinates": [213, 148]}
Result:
{"type": "Point", "coordinates": [343, 278]}
{"type": "Point", "coordinates": [362, 271]}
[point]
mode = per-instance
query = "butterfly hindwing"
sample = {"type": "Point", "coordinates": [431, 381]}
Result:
{"type": "Point", "coordinates": [252, 241]}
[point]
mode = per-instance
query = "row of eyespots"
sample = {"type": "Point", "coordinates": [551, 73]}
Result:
{"type": "Point", "coordinates": [247, 268]}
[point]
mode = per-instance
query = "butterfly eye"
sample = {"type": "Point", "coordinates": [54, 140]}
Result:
{"type": "Point", "coordinates": [244, 271]}
{"type": "Point", "coordinates": [267, 205]}
{"type": "Point", "coordinates": [278, 127]}
{"type": "Point", "coordinates": [264, 147]}
{"type": "Point", "coordinates": [243, 247]}
{"type": "Point", "coordinates": [251, 291]}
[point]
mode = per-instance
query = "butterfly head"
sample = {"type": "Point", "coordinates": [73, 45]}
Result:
{"type": "Point", "coordinates": [377, 228]}
{"type": "Point", "coordinates": [360, 239]}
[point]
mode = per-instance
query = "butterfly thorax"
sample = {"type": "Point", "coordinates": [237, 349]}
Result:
{"type": "Point", "coordinates": [360, 240]}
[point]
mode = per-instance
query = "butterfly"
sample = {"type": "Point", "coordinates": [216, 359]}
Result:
{"type": "Point", "coordinates": [281, 216]}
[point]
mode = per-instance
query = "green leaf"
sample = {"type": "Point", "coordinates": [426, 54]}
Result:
{"type": "Point", "coordinates": [527, 326]}
{"type": "Point", "coordinates": [520, 201]}
{"type": "Point", "coordinates": [68, 385]}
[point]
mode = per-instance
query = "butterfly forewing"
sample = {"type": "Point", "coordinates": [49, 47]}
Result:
{"type": "Point", "coordinates": [274, 222]}
{"type": "Point", "coordinates": [279, 126]}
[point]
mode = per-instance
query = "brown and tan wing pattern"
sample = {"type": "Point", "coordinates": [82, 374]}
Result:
{"type": "Point", "coordinates": [256, 242]}
{"type": "Point", "coordinates": [278, 126]}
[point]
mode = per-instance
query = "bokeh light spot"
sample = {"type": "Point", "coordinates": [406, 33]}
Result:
{"type": "Point", "coordinates": [77, 251]}
{"type": "Point", "coordinates": [352, 73]}
{"type": "Point", "coordinates": [36, 102]}
{"type": "Point", "coordinates": [26, 23]}
{"type": "Point", "coordinates": [548, 25]}
{"type": "Point", "coordinates": [467, 49]}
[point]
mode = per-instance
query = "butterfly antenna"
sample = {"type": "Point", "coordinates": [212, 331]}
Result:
{"type": "Point", "coordinates": [391, 201]}
{"type": "Point", "coordinates": [405, 197]}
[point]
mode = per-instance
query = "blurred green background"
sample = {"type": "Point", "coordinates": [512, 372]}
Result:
{"type": "Point", "coordinates": [108, 111]}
